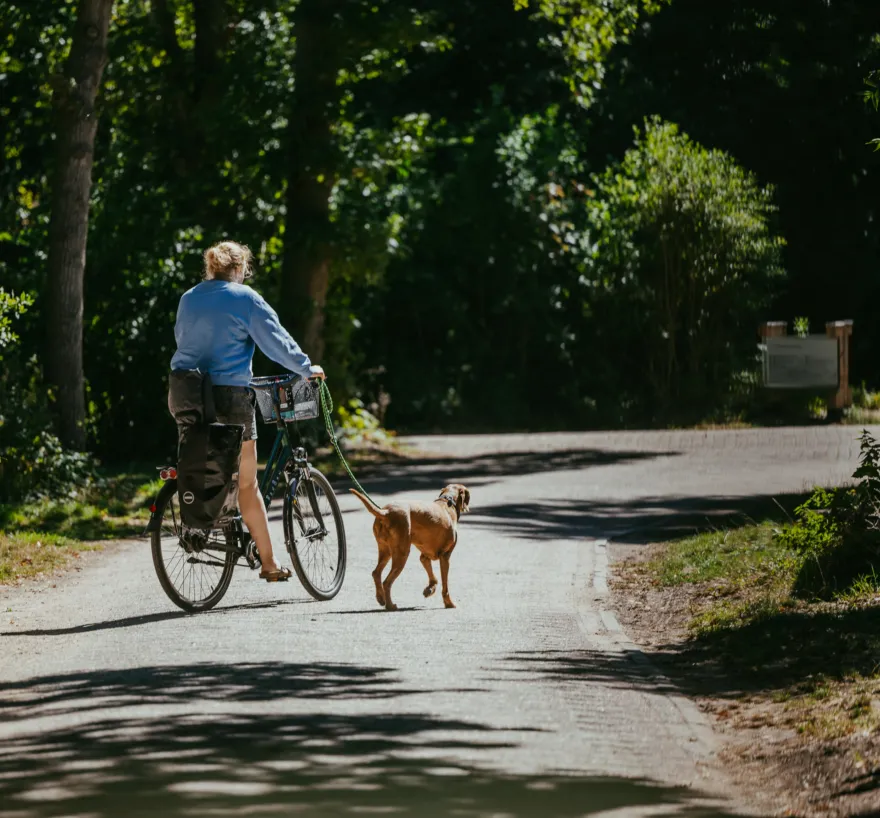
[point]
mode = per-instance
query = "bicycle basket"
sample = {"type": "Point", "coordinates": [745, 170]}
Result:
{"type": "Point", "coordinates": [299, 400]}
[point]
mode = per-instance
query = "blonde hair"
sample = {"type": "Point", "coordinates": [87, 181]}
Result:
{"type": "Point", "coordinates": [228, 261]}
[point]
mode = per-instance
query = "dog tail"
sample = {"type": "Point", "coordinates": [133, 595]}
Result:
{"type": "Point", "coordinates": [370, 506]}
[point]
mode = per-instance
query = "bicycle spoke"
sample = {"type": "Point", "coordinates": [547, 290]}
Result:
{"type": "Point", "coordinates": [195, 575]}
{"type": "Point", "coordinates": [317, 545]}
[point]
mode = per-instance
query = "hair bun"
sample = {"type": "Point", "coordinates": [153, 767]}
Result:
{"type": "Point", "coordinates": [227, 261]}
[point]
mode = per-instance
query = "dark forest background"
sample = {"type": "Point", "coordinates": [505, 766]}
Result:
{"type": "Point", "coordinates": [476, 215]}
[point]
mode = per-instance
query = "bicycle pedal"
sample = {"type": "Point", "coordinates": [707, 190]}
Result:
{"type": "Point", "coordinates": [252, 556]}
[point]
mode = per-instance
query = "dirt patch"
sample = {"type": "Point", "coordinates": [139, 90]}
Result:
{"type": "Point", "coordinates": [794, 694]}
{"type": "Point", "coordinates": [31, 555]}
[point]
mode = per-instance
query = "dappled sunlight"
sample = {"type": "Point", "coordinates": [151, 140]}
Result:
{"type": "Point", "coordinates": [648, 518]}
{"type": "Point", "coordinates": [276, 762]}
{"type": "Point", "coordinates": [432, 473]}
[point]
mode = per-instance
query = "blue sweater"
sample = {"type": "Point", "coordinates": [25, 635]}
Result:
{"type": "Point", "coordinates": [218, 323]}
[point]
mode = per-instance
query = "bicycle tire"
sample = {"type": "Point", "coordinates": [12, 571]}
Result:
{"type": "Point", "coordinates": [212, 586]}
{"type": "Point", "coordinates": [303, 558]}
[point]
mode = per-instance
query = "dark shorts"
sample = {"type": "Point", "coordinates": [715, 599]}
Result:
{"type": "Point", "coordinates": [237, 404]}
{"type": "Point", "coordinates": [233, 404]}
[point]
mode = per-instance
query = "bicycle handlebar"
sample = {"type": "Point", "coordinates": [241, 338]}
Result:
{"type": "Point", "coordinates": [267, 381]}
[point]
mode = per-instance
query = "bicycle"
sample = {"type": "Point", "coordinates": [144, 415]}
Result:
{"type": "Point", "coordinates": [195, 567]}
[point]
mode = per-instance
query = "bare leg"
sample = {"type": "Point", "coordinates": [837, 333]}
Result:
{"type": "Point", "coordinates": [444, 574]}
{"type": "Point", "coordinates": [384, 556]}
{"type": "Point", "coordinates": [399, 556]}
{"type": "Point", "coordinates": [253, 509]}
{"type": "Point", "coordinates": [432, 580]}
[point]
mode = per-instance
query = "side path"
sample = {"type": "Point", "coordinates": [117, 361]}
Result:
{"type": "Point", "coordinates": [523, 701]}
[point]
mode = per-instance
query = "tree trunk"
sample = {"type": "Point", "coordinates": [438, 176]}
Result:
{"type": "Point", "coordinates": [76, 123]}
{"type": "Point", "coordinates": [195, 89]}
{"type": "Point", "coordinates": [313, 167]}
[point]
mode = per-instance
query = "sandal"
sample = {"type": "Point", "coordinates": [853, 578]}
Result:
{"type": "Point", "coordinates": [276, 575]}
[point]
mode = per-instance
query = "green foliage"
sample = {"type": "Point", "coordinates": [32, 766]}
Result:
{"type": "Point", "coordinates": [28, 553]}
{"type": "Point", "coordinates": [745, 556]}
{"type": "Point", "coordinates": [864, 398]}
{"type": "Point", "coordinates": [837, 532]}
{"type": "Point", "coordinates": [776, 85]}
{"type": "Point", "coordinates": [816, 531]}
{"type": "Point", "coordinates": [872, 97]}
{"type": "Point", "coordinates": [11, 306]}
{"type": "Point", "coordinates": [681, 262]}
{"type": "Point", "coordinates": [33, 463]}
{"type": "Point", "coordinates": [108, 506]}
{"type": "Point", "coordinates": [359, 427]}
{"type": "Point", "coordinates": [801, 327]}
{"type": "Point", "coordinates": [864, 588]}
{"type": "Point", "coordinates": [463, 203]}
{"type": "Point", "coordinates": [585, 32]}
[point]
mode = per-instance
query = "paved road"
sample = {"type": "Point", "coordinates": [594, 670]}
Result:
{"type": "Point", "coordinates": [524, 701]}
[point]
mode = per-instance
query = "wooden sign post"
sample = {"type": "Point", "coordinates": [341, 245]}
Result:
{"type": "Point", "coordinates": [818, 363]}
{"type": "Point", "coordinates": [842, 331]}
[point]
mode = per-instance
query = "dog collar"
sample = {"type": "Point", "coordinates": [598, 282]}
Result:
{"type": "Point", "coordinates": [448, 498]}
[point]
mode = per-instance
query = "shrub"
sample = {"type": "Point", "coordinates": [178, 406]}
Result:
{"type": "Point", "coordinates": [837, 532]}
{"type": "Point", "coordinates": [33, 462]}
{"type": "Point", "coordinates": [358, 427]}
{"type": "Point", "coordinates": [681, 263]}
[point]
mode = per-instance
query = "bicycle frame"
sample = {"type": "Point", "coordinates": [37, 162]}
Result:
{"type": "Point", "coordinates": [282, 454]}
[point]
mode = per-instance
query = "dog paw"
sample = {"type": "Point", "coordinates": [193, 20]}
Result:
{"type": "Point", "coordinates": [448, 603]}
{"type": "Point", "coordinates": [429, 591]}
{"type": "Point", "coordinates": [391, 607]}
{"type": "Point", "coordinates": [380, 600]}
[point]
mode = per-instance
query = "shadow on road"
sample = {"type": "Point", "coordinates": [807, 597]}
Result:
{"type": "Point", "coordinates": [432, 473]}
{"type": "Point", "coordinates": [793, 651]}
{"type": "Point", "coordinates": [236, 683]}
{"type": "Point", "coordinates": [649, 519]}
{"type": "Point", "coordinates": [626, 669]}
{"type": "Point", "coordinates": [182, 760]}
{"type": "Point", "coordinates": [147, 619]}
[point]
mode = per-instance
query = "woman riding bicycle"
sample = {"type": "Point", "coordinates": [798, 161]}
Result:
{"type": "Point", "coordinates": [219, 321]}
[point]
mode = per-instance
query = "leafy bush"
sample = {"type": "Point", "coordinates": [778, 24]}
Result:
{"type": "Point", "coordinates": [837, 532]}
{"type": "Point", "coordinates": [11, 306]}
{"type": "Point", "coordinates": [358, 426]}
{"type": "Point", "coordinates": [33, 462]}
{"type": "Point", "coordinates": [681, 262]}
{"type": "Point", "coordinates": [864, 398]}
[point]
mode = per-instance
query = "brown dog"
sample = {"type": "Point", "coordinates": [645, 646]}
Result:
{"type": "Point", "coordinates": [430, 527]}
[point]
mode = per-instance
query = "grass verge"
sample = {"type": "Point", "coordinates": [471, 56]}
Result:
{"type": "Point", "coordinates": [47, 535]}
{"type": "Point", "coordinates": [719, 611]}
{"type": "Point", "coordinates": [819, 659]}
{"type": "Point", "coordinates": [30, 554]}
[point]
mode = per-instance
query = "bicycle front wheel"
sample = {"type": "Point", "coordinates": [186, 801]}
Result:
{"type": "Point", "coordinates": [315, 535]}
{"type": "Point", "coordinates": [194, 576]}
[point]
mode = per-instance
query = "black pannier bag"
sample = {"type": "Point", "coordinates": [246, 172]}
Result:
{"type": "Point", "coordinates": [208, 457]}
{"type": "Point", "coordinates": [208, 453]}
{"type": "Point", "coordinates": [191, 397]}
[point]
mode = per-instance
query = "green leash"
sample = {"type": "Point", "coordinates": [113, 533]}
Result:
{"type": "Point", "coordinates": [327, 409]}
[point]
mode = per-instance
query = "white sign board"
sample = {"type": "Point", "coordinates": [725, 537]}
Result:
{"type": "Point", "coordinates": [801, 363]}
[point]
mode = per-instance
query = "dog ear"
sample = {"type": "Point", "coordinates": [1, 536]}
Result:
{"type": "Point", "coordinates": [465, 497]}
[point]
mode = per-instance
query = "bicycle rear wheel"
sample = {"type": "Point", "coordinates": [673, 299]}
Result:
{"type": "Point", "coordinates": [315, 535]}
{"type": "Point", "coordinates": [194, 577]}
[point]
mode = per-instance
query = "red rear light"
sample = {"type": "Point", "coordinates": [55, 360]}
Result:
{"type": "Point", "coordinates": [172, 474]}
{"type": "Point", "coordinates": [153, 508]}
